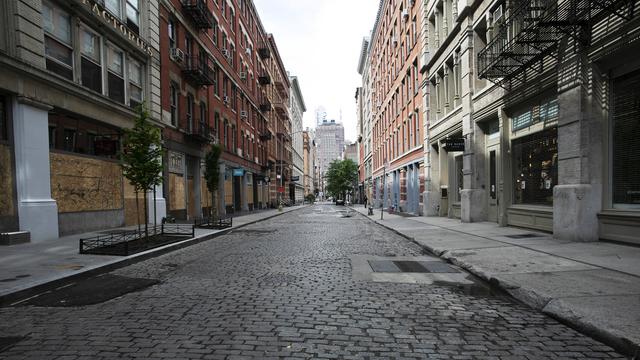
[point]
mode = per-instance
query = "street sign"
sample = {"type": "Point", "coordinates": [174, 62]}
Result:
{"type": "Point", "coordinates": [238, 172]}
{"type": "Point", "coordinates": [295, 178]}
{"type": "Point", "coordinates": [281, 189]}
{"type": "Point", "coordinates": [454, 144]}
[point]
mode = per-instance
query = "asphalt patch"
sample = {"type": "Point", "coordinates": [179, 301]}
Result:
{"type": "Point", "coordinates": [9, 341]}
{"type": "Point", "coordinates": [89, 291]}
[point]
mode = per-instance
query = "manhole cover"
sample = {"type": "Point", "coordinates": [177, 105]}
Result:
{"type": "Point", "coordinates": [400, 266]}
{"type": "Point", "coordinates": [523, 236]}
{"type": "Point", "coordinates": [7, 342]}
{"type": "Point", "coordinates": [89, 291]}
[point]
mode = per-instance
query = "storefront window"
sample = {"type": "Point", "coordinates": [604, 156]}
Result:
{"type": "Point", "coordinates": [535, 167]}
{"type": "Point", "coordinates": [626, 141]}
{"type": "Point", "coordinates": [80, 136]}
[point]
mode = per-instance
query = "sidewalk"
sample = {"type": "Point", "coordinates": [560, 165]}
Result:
{"type": "Point", "coordinates": [28, 269]}
{"type": "Point", "coordinates": [594, 287]}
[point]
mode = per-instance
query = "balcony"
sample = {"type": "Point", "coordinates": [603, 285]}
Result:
{"type": "Point", "coordinates": [266, 135]}
{"type": "Point", "coordinates": [531, 31]}
{"type": "Point", "coordinates": [264, 52]}
{"type": "Point", "coordinates": [200, 132]}
{"type": "Point", "coordinates": [264, 79]}
{"type": "Point", "coordinates": [199, 13]}
{"type": "Point", "coordinates": [282, 89]}
{"type": "Point", "coordinates": [198, 70]}
{"type": "Point", "coordinates": [281, 108]}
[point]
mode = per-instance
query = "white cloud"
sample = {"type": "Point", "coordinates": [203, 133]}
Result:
{"type": "Point", "coordinates": [319, 41]}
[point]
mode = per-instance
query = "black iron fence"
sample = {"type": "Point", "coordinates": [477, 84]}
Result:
{"type": "Point", "coordinates": [128, 242]}
{"type": "Point", "coordinates": [214, 222]}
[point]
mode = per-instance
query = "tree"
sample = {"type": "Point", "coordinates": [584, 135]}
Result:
{"type": "Point", "coordinates": [142, 159]}
{"type": "Point", "coordinates": [341, 177]}
{"type": "Point", "coordinates": [212, 175]}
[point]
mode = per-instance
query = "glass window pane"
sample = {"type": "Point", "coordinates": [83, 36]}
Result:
{"type": "Point", "coordinates": [135, 73]}
{"type": "Point", "coordinates": [114, 7]}
{"type": "Point", "coordinates": [47, 18]}
{"type": "Point", "coordinates": [116, 88]}
{"type": "Point", "coordinates": [626, 140]}
{"type": "Point", "coordinates": [91, 75]}
{"type": "Point", "coordinates": [90, 45]}
{"type": "Point", "coordinates": [115, 61]}
{"type": "Point", "coordinates": [58, 51]}
{"type": "Point", "coordinates": [535, 167]}
{"type": "Point", "coordinates": [62, 27]}
{"type": "Point", "coordinates": [132, 13]}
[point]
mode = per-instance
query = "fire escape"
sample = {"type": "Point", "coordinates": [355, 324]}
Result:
{"type": "Point", "coordinates": [531, 30]}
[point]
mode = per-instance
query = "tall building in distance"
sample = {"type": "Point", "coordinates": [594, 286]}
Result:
{"type": "Point", "coordinates": [321, 115]}
{"type": "Point", "coordinates": [330, 142]}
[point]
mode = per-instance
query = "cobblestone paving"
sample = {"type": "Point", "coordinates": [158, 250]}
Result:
{"type": "Point", "coordinates": [283, 289]}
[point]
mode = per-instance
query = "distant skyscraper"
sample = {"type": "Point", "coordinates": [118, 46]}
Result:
{"type": "Point", "coordinates": [330, 143]}
{"type": "Point", "coordinates": [321, 115]}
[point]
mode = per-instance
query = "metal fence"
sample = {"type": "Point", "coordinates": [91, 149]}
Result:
{"type": "Point", "coordinates": [127, 242]}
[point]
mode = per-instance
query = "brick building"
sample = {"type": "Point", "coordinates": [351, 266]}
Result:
{"type": "Point", "coordinates": [397, 109]}
{"type": "Point", "coordinates": [216, 88]}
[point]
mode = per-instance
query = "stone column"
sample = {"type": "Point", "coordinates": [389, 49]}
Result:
{"type": "Point", "coordinates": [578, 197]}
{"type": "Point", "coordinates": [222, 210]}
{"type": "Point", "coordinates": [37, 211]}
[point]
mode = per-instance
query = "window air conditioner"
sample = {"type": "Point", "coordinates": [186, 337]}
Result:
{"type": "Point", "coordinates": [243, 75]}
{"type": "Point", "coordinates": [176, 55]}
{"type": "Point", "coordinates": [244, 114]}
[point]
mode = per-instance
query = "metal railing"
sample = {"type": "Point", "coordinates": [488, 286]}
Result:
{"type": "Point", "coordinates": [127, 242]}
{"type": "Point", "coordinates": [217, 223]}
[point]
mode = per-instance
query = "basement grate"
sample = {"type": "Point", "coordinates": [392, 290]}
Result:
{"type": "Point", "coordinates": [399, 266]}
{"type": "Point", "coordinates": [524, 236]}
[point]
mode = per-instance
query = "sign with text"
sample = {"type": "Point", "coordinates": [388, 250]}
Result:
{"type": "Point", "coordinates": [295, 178]}
{"type": "Point", "coordinates": [454, 144]}
{"type": "Point", "coordinates": [238, 172]}
{"type": "Point", "coordinates": [281, 189]}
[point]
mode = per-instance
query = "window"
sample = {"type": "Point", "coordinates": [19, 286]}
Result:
{"type": "Point", "coordinates": [215, 31]}
{"type": "Point", "coordinates": [173, 93]}
{"type": "Point", "coordinates": [58, 45]}
{"type": "Point", "coordinates": [216, 123]}
{"type": "Point", "coordinates": [52, 137]}
{"type": "Point", "coordinates": [115, 76]}
{"type": "Point", "coordinates": [545, 112]}
{"type": "Point", "coordinates": [91, 68]}
{"type": "Point", "coordinates": [115, 7]}
{"type": "Point", "coordinates": [133, 15]}
{"type": "Point", "coordinates": [190, 108]}
{"type": "Point", "coordinates": [135, 84]}
{"type": "Point", "coordinates": [69, 140]}
{"type": "Point", "coordinates": [225, 139]}
{"type": "Point", "coordinates": [535, 167]}
{"type": "Point", "coordinates": [625, 139]}
{"type": "Point", "coordinates": [203, 113]}
{"type": "Point", "coordinates": [171, 30]}
{"type": "Point", "coordinates": [216, 76]}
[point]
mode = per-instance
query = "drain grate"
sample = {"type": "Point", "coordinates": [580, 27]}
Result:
{"type": "Point", "coordinates": [9, 341]}
{"type": "Point", "coordinates": [524, 236]}
{"type": "Point", "coordinates": [399, 266]}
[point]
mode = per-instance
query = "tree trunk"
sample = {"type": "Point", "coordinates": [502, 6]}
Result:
{"type": "Point", "coordinates": [146, 216]}
{"type": "Point", "coordinates": [214, 207]}
{"type": "Point", "coordinates": [137, 211]}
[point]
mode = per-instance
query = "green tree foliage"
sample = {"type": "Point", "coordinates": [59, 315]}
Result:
{"type": "Point", "coordinates": [212, 174]}
{"type": "Point", "coordinates": [341, 177]}
{"type": "Point", "coordinates": [142, 158]}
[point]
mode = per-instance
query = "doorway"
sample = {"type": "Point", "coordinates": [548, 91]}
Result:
{"type": "Point", "coordinates": [493, 176]}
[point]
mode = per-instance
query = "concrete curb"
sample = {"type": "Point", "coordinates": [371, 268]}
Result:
{"type": "Point", "coordinates": [11, 298]}
{"type": "Point", "coordinates": [545, 304]}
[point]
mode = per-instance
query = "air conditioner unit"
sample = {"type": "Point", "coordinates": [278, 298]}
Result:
{"type": "Point", "coordinates": [225, 99]}
{"type": "Point", "coordinates": [394, 39]}
{"type": "Point", "coordinates": [244, 114]}
{"type": "Point", "coordinates": [176, 55]}
{"type": "Point", "coordinates": [248, 51]}
{"type": "Point", "coordinates": [225, 53]}
{"type": "Point", "coordinates": [405, 14]}
{"type": "Point", "coordinates": [239, 152]}
{"type": "Point", "coordinates": [243, 75]}
{"type": "Point", "coordinates": [255, 160]}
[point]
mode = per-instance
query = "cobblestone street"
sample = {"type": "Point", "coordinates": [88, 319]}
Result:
{"type": "Point", "coordinates": [284, 288]}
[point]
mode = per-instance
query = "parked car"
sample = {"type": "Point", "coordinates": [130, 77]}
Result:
{"type": "Point", "coordinates": [340, 202]}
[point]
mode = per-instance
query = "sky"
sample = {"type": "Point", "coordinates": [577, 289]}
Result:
{"type": "Point", "coordinates": [319, 42]}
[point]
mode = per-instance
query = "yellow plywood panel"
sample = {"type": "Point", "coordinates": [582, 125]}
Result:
{"type": "Point", "coordinates": [205, 199]}
{"type": "Point", "coordinates": [228, 191]}
{"type": "Point", "coordinates": [176, 192]}
{"type": "Point", "coordinates": [6, 182]}
{"type": "Point", "coordinates": [85, 184]}
{"type": "Point", "coordinates": [191, 192]}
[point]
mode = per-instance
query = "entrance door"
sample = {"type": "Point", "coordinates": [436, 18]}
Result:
{"type": "Point", "coordinates": [492, 175]}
